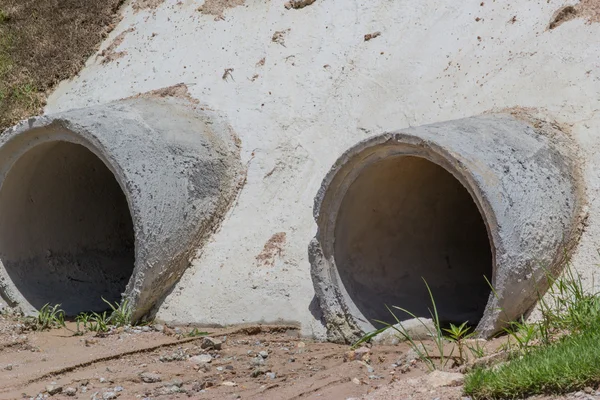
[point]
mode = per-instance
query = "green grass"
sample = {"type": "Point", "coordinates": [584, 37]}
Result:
{"type": "Point", "coordinates": [568, 365]}
{"type": "Point", "coordinates": [559, 353]}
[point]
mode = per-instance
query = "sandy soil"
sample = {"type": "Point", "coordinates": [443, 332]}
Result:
{"type": "Point", "coordinates": [257, 362]}
{"type": "Point", "coordinates": [253, 363]}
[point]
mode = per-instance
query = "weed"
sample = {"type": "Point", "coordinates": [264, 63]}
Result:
{"type": "Point", "coordinates": [458, 335]}
{"type": "Point", "coordinates": [4, 17]}
{"type": "Point", "coordinates": [48, 317]}
{"type": "Point", "coordinates": [99, 322]}
{"type": "Point", "coordinates": [121, 313]}
{"type": "Point", "coordinates": [418, 347]}
{"type": "Point", "coordinates": [196, 333]}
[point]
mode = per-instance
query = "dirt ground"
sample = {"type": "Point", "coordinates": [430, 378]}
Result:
{"type": "Point", "coordinates": [254, 362]}
{"type": "Point", "coordinates": [160, 362]}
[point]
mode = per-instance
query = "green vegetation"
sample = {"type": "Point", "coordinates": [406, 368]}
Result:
{"type": "Point", "coordinates": [555, 355]}
{"type": "Point", "coordinates": [444, 345]}
{"type": "Point", "coordinates": [48, 317]}
{"type": "Point", "coordinates": [119, 316]}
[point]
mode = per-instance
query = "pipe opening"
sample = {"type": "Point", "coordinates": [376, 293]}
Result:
{"type": "Point", "coordinates": [66, 233]}
{"type": "Point", "coordinates": [403, 218]}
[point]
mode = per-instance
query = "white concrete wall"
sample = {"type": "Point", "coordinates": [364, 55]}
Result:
{"type": "Point", "coordinates": [325, 90]}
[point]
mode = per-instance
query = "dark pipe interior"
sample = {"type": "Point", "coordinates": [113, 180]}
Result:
{"type": "Point", "coordinates": [66, 234]}
{"type": "Point", "coordinates": [403, 219]}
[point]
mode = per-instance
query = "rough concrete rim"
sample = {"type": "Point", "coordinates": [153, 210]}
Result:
{"type": "Point", "coordinates": [172, 130]}
{"type": "Point", "coordinates": [345, 323]}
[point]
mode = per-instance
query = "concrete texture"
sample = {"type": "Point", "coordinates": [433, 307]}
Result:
{"type": "Point", "coordinates": [110, 200]}
{"type": "Point", "coordinates": [457, 204]}
{"type": "Point", "coordinates": [298, 106]}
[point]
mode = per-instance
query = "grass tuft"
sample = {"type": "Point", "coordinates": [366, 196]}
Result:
{"type": "Point", "coordinates": [555, 355]}
{"type": "Point", "coordinates": [567, 365]}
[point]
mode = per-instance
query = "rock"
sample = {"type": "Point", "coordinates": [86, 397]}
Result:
{"type": "Point", "coordinates": [440, 378]}
{"type": "Point", "coordinates": [175, 382]}
{"type": "Point", "coordinates": [264, 354]}
{"type": "Point", "coordinates": [228, 383]}
{"type": "Point", "coordinates": [201, 359]}
{"type": "Point", "coordinates": [271, 375]}
{"type": "Point", "coordinates": [360, 354]}
{"type": "Point", "coordinates": [70, 391]}
{"type": "Point", "coordinates": [257, 361]}
{"type": "Point", "coordinates": [301, 344]}
{"type": "Point", "coordinates": [150, 377]}
{"type": "Point", "coordinates": [257, 372]}
{"type": "Point", "coordinates": [209, 343]}
{"type": "Point", "coordinates": [118, 389]}
{"type": "Point", "coordinates": [9, 367]}
{"type": "Point", "coordinates": [356, 381]}
{"type": "Point", "coordinates": [109, 395]}
{"type": "Point", "coordinates": [159, 328]}
{"type": "Point", "coordinates": [102, 380]}
{"type": "Point", "coordinates": [145, 329]}
{"type": "Point", "coordinates": [53, 389]}
{"type": "Point", "coordinates": [488, 361]}
{"type": "Point", "coordinates": [416, 328]}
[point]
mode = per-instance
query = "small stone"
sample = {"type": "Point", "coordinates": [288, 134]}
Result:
{"type": "Point", "coordinates": [145, 329]}
{"type": "Point", "coordinates": [102, 380]}
{"type": "Point", "coordinates": [257, 372]}
{"type": "Point", "coordinates": [201, 359]}
{"type": "Point", "coordinates": [356, 381]}
{"type": "Point", "coordinates": [109, 395]}
{"type": "Point", "coordinates": [228, 383]}
{"type": "Point", "coordinates": [439, 379]}
{"type": "Point", "coordinates": [70, 391]}
{"type": "Point", "coordinates": [137, 331]}
{"type": "Point", "coordinates": [271, 375]}
{"type": "Point", "coordinates": [264, 354]}
{"type": "Point", "coordinates": [176, 382]}
{"type": "Point", "coordinates": [54, 389]}
{"type": "Point", "coordinates": [150, 377]}
{"type": "Point", "coordinates": [588, 390]}
{"type": "Point", "coordinates": [301, 344]}
{"type": "Point", "coordinates": [375, 377]}
{"type": "Point", "coordinates": [209, 343]}
{"type": "Point", "coordinates": [257, 361]}
{"type": "Point", "coordinates": [9, 367]}
{"type": "Point", "coordinates": [119, 389]}
{"type": "Point", "coordinates": [159, 328]}
{"type": "Point", "coordinates": [178, 331]}
{"type": "Point", "coordinates": [360, 354]}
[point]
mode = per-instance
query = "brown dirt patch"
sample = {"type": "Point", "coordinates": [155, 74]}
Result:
{"type": "Point", "coordinates": [272, 249]}
{"type": "Point", "coordinates": [140, 5]}
{"type": "Point", "coordinates": [254, 363]}
{"type": "Point", "coordinates": [180, 91]}
{"type": "Point", "coordinates": [217, 7]}
{"type": "Point", "coordinates": [110, 54]}
{"type": "Point", "coordinates": [586, 9]}
{"type": "Point", "coordinates": [42, 43]}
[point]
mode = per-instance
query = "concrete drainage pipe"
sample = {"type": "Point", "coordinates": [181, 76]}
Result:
{"type": "Point", "coordinates": [110, 200]}
{"type": "Point", "coordinates": [453, 203]}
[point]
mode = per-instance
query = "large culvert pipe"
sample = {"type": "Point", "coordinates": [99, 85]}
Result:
{"type": "Point", "coordinates": [459, 203]}
{"type": "Point", "coordinates": [110, 200]}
